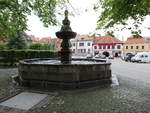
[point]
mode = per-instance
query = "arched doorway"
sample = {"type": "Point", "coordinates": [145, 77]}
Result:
{"type": "Point", "coordinates": [116, 54]}
{"type": "Point", "coordinates": [106, 53]}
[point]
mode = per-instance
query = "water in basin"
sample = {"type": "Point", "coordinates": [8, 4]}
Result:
{"type": "Point", "coordinates": [59, 62]}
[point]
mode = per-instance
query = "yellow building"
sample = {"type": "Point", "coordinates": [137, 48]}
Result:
{"type": "Point", "coordinates": [135, 45]}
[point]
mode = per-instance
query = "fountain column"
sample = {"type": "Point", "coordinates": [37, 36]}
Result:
{"type": "Point", "coordinates": [66, 34]}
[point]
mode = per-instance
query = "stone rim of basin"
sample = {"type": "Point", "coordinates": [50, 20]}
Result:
{"type": "Point", "coordinates": [92, 61]}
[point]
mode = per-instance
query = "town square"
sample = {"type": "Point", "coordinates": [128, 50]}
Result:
{"type": "Point", "coordinates": [74, 56]}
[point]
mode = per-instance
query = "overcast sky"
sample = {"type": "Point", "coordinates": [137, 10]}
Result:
{"type": "Point", "coordinates": [84, 22]}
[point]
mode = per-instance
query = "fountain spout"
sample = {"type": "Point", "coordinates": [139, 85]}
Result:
{"type": "Point", "coordinates": [66, 34]}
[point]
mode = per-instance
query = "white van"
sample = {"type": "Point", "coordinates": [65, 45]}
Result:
{"type": "Point", "coordinates": [142, 57]}
{"type": "Point", "coordinates": [146, 57]}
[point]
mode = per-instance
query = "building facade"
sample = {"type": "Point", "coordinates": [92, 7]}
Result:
{"type": "Point", "coordinates": [1, 42]}
{"type": "Point", "coordinates": [30, 38]}
{"type": "Point", "coordinates": [82, 45]}
{"type": "Point", "coordinates": [135, 45]}
{"type": "Point", "coordinates": [55, 43]}
{"type": "Point", "coordinates": [108, 46]}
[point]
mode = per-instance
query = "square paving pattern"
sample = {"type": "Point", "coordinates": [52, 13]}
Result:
{"type": "Point", "coordinates": [24, 100]}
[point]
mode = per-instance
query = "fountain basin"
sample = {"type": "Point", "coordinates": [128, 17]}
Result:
{"type": "Point", "coordinates": [50, 73]}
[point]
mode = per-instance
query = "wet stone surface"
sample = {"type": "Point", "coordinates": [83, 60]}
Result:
{"type": "Point", "coordinates": [24, 100]}
{"type": "Point", "coordinates": [59, 62]}
{"type": "Point", "coordinates": [129, 97]}
{"type": "Point", "coordinates": [6, 86]}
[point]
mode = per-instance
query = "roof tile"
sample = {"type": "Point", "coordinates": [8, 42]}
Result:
{"type": "Point", "coordinates": [106, 40]}
{"type": "Point", "coordinates": [83, 37]}
{"type": "Point", "coordinates": [134, 40]}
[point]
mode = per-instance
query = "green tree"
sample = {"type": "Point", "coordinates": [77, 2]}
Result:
{"type": "Point", "coordinates": [13, 14]}
{"type": "Point", "coordinates": [94, 35]}
{"type": "Point", "coordinates": [119, 11]}
{"type": "Point", "coordinates": [110, 33]}
{"type": "Point", "coordinates": [35, 46]}
{"type": "Point", "coordinates": [39, 46]}
{"type": "Point", "coordinates": [45, 47]}
{"type": "Point", "coordinates": [17, 42]}
{"type": "Point", "coordinates": [2, 47]}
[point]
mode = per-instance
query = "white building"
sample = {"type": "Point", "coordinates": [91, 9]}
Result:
{"type": "Point", "coordinates": [82, 45]}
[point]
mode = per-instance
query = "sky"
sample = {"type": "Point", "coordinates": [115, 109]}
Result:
{"type": "Point", "coordinates": [84, 22]}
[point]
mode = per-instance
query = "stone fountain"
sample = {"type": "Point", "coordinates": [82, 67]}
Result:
{"type": "Point", "coordinates": [64, 72]}
{"type": "Point", "coordinates": [66, 34]}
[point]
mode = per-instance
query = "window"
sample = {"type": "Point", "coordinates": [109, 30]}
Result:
{"type": "Point", "coordinates": [113, 47]}
{"type": "Point", "coordinates": [137, 47]}
{"type": "Point", "coordinates": [81, 44]}
{"type": "Point", "coordinates": [88, 50]}
{"type": "Point", "coordinates": [73, 51]}
{"type": "Point", "coordinates": [118, 47]}
{"type": "Point", "coordinates": [89, 44]}
{"type": "Point", "coordinates": [99, 47]}
{"type": "Point", "coordinates": [95, 47]}
{"type": "Point", "coordinates": [126, 47]}
{"type": "Point", "coordinates": [108, 47]}
{"type": "Point", "coordinates": [131, 47]}
{"type": "Point", "coordinates": [142, 47]}
{"type": "Point", "coordinates": [73, 44]}
{"type": "Point", "coordinates": [141, 56]}
{"type": "Point", "coordinates": [84, 50]}
{"type": "Point", "coordinates": [104, 47]}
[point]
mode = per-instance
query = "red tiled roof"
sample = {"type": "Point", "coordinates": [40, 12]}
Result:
{"type": "Point", "coordinates": [30, 37]}
{"type": "Point", "coordinates": [33, 38]}
{"type": "Point", "coordinates": [45, 40]}
{"type": "Point", "coordinates": [134, 40]}
{"type": "Point", "coordinates": [106, 40]}
{"type": "Point", "coordinates": [83, 37]}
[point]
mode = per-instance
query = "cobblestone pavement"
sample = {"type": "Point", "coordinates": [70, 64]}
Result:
{"type": "Point", "coordinates": [131, 96]}
{"type": "Point", "coordinates": [6, 85]}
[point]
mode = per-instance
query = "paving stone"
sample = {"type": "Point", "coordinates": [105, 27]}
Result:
{"type": "Point", "coordinates": [24, 100]}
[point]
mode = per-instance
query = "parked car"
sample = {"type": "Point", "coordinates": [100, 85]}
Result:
{"type": "Point", "coordinates": [89, 56]}
{"type": "Point", "coordinates": [97, 56]}
{"type": "Point", "coordinates": [128, 57]}
{"type": "Point", "coordinates": [100, 56]}
{"type": "Point", "coordinates": [143, 57]}
{"type": "Point", "coordinates": [123, 56]}
{"type": "Point", "coordinates": [111, 57]}
{"type": "Point", "coordinates": [146, 58]}
{"type": "Point", "coordinates": [103, 57]}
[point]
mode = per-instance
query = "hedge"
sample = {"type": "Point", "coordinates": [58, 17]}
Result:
{"type": "Point", "coordinates": [2, 47]}
{"type": "Point", "coordinates": [16, 55]}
